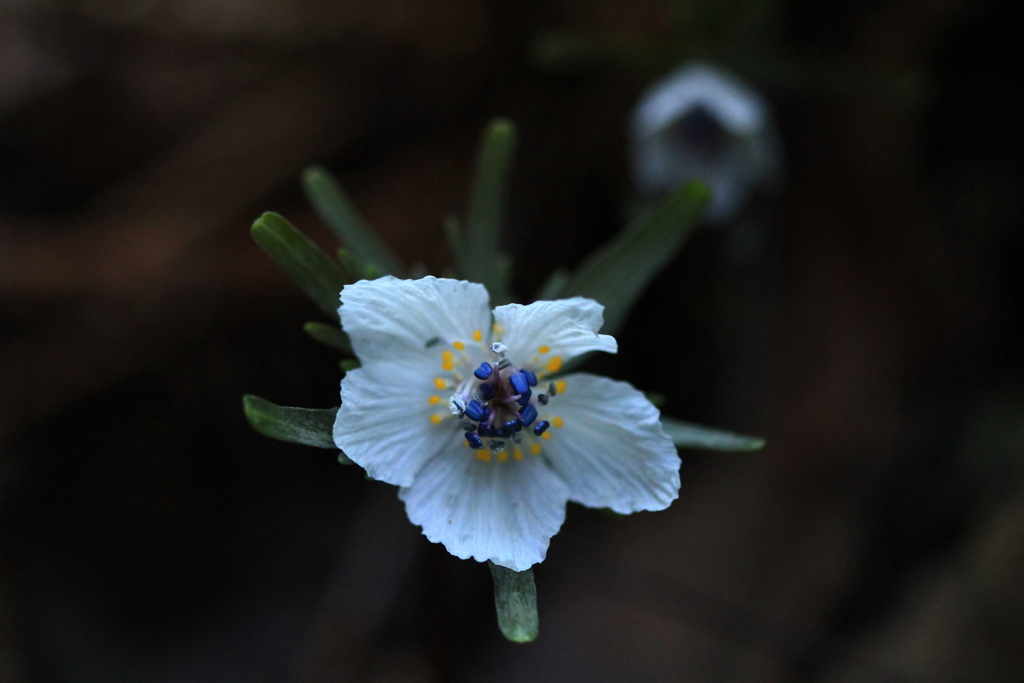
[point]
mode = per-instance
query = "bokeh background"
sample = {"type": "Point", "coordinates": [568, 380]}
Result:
{"type": "Point", "coordinates": [866, 319]}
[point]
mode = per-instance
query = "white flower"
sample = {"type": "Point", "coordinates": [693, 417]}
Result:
{"type": "Point", "coordinates": [486, 494]}
{"type": "Point", "coordinates": [701, 122]}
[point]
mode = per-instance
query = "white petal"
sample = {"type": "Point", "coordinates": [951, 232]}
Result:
{"type": "Point", "coordinates": [568, 327]}
{"type": "Point", "coordinates": [736, 106]}
{"type": "Point", "coordinates": [505, 512]}
{"type": "Point", "coordinates": [389, 317]}
{"type": "Point", "coordinates": [612, 450]}
{"type": "Point", "coordinates": [384, 424]}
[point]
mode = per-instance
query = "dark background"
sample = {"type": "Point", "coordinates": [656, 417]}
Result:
{"type": "Point", "coordinates": [866, 319]}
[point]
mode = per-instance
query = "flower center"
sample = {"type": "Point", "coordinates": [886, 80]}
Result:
{"type": "Point", "coordinates": [699, 133]}
{"type": "Point", "coordinates": [499, 403]}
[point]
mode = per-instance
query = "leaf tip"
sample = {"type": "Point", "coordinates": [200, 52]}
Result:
{"type": "Point", "coordinates": [313, 173]}
{"type": "Point", "coordinates": [502, 126]}
{"type": "Point", "coordinates": [267, 223]}
{"type": "Point", "coordinates": [254, 412]}
{"type": "Point", "coordinates": [515, 600]}
{"type": "Point", "coordinates": [698, 191]}
{"type": "Point", "coordinates": [517, 636]}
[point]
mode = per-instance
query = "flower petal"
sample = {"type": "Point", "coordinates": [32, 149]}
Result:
{"type": "Point", "coordinates": [384, 424]}
{"type": "Point", "coordinates": [552, 329]}
{"type": "Point", "coordinates": [505, 512]}
{"type": "Point", "coordinates": [611, 449]}
{"type": "Point", "coordinates": [389, 317]}
{"type": "Point", "coordinates": [737, 107]}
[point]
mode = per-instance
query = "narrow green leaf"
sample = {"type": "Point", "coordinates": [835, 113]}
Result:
{"type": "Point", "coordinates": [328, 335]}
{"type": "Point", "coordinates": [478, 252]}
{"type": "Point", "coordinates": [307, 426]}
{"type": "Point", "coordinates": [656, 398]}
{"type": "Point", "coordinates": [619, 272]}
{"type": "Point", "coordinates": [515, 599]}
{"type": "Point", "coordinates": [689, 435]}
{"type": "Point", "coordinates": [314, 271]}
{"type": "Point", "coordinates": [560, 50]}
{"type": "Point", "coordinates": [556, 283]}
{"type": "Point", "coordinates": [351, 264]}
{"type": "Point", "coordinates": [337, 210]}
{"type": "Point", "coordinates": [453, 237]}
{"type": "Point", "coordinates": [417, 270]}
{"type": "Point", "coordinates": [501, 278]}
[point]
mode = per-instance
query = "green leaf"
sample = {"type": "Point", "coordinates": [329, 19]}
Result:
{"type": "Point", "coordinates": [337, 210]}
{"type": "Point", "coordinates": [478, 257]}
{"type": "Point", "coordinates": [417, 270]}
{"type": "Point", "coordinates": [314, 271]}
{"type": "Point", "coordinates": [350, 264]}
{"type": "Point", "coordinates": [307, 426]}
{"type": "Point", "coordinates": [555, 284]}
{"type": "Point", "coordinates": [328, 335]}
{"type": "Point", "coordinates": [656, 398]}
{"type": "Point", "coordinates": [689, 435]}
{"type": "Point", "coordinates": [453, 237]}
{"type": "Point", "coordinates": [619, 272]}
{"type": "Point", "coordinates": [515, 599]}
{"type": "Point", "coordinates": [563, 50]}
{"type": "Point", "coordinates": [501, 277]}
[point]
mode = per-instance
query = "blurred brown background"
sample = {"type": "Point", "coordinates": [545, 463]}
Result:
{"type": "Point", "coordinates": [866, 320]}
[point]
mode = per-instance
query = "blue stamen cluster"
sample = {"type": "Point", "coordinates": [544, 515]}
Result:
{"type": "Point", "coordinates": [505, 393]}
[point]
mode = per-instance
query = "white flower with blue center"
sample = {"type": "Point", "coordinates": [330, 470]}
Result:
{"type": "Point", "coordinates": [701, 122]}
{"type": "Point", "coordinates": [467, 415]}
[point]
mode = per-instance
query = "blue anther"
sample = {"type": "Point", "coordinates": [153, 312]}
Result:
{"type": "Point", "coordinates": [487, 391]}
{"type": "Point", "coordinates": [476, 411]}
{"type": "Point", "coordinates": [519, 383]}
{"type": "Point", "coordinates": [531, 378]}
{"type": "Point", "coordinates": [484, 430]}
{"type": "Point", "coordinates": [474, 441]}
{"type": "Point", "coordinates": [541, 427]}
{"type": "Point", "coordinates": [528, 415]}
{"type": "Point", "coordinates": [525, 398]}
{"type": "Point", "coordinates": [484, 371]}
{"type": "Point", "coordinates": [501, 431]}
{"type": "Point", "coordinates": [513, 426]}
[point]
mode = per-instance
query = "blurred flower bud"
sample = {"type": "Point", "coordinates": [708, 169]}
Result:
{"type": "Point", "coordinates": [701, 122]}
